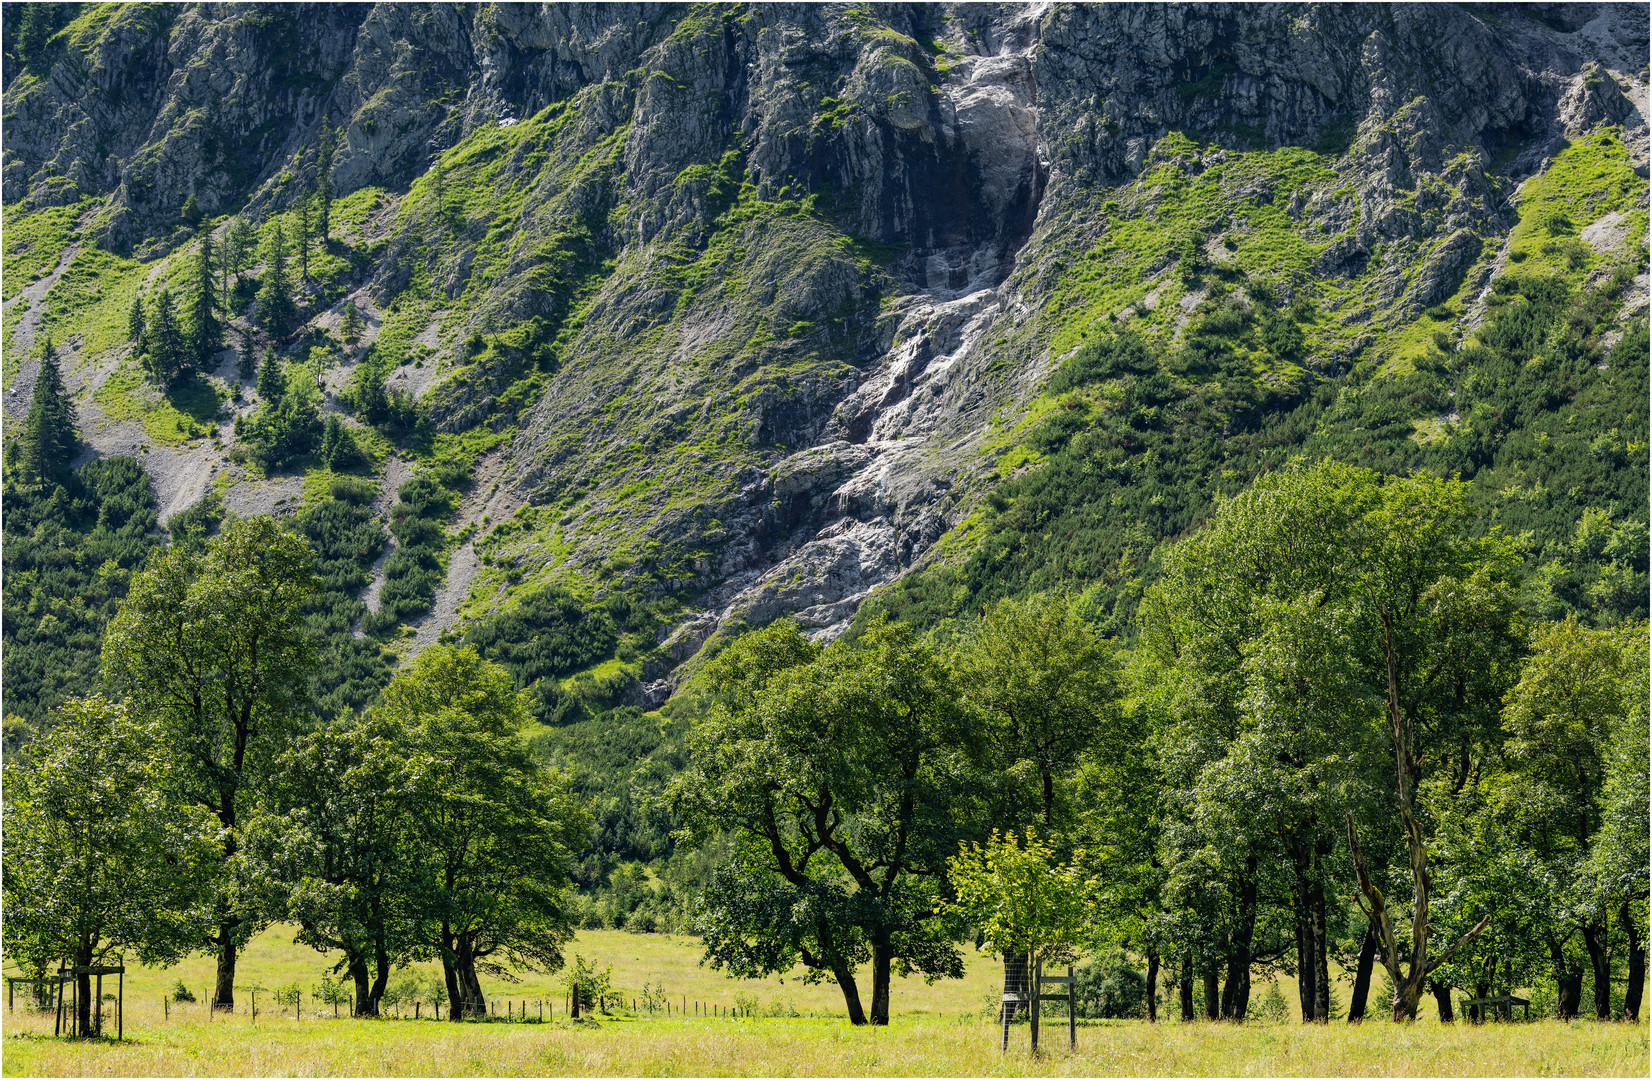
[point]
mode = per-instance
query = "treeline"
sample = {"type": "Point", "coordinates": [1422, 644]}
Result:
{"type": "Point", "coordinates": [1335, 694]}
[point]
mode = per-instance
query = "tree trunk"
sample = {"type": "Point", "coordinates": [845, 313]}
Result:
{"type": "Point", "coordinates": [1362, 975]}
{"type": "Point", "coordinates": [469, 983]}
{"type": "Point", "coordinates": [364, 993]}
{"type": "Point", "coordinates": [1568, 982]}
{"type": "Point", "coordinates": [882, 949]}
{"type": "Point", "coordinates": [381, 976]}
{"type": "Point", "coordinates": [1153, 988]}
{"type": "Point", "coordinates": [1322, 968]}
{"type": "Point", "coordinates": [1636, 985]}
{"type": "Point", "coordinates": [1306, 966]}
{"type": "Point", "coordinates": [1236, 993]}
{"type": "Point", "coordinates": [1213, 994]}
{"type": "Point", "coordinates": [1600, 959]}
{"type": "Point", "coordinates": [223, 993]}
{"type": "Point", "coordinates": [83, 989]}
{"type": "Point", "coordinates": [851, 993]}
{"type": "Point", "coordinates": [1187, 990]}
{"type": "Point", "coordinates": [1442, 999]}
{"type": "Point", "coordinates": [455, 992]}
{"type": "Point", "coordinates": [1407, 971]}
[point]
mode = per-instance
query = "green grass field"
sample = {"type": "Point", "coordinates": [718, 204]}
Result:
{"type": "Point", "coordinates": [940, 1029]}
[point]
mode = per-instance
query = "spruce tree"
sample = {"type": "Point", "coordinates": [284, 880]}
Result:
{"type": "Point", "coordinates": [272, 378]}
{"type": "Point", "coordinates": [305, 217]}
{"type": "Point", "coordinates": [134, 320]}
{"type": "Point", "coordinates": [247, 356]}
{"type": "Point", "coordinates": [49, 436]}
{"type": "Point", "coordinates": [242, 238]}
{"type": "Point", "coordinates": [351, 325]}
{"type": "Point", "coordinates": [226, 266]}
{"type": "Point", "coordinates": [206, 333]}
{"type": "Point", "coordinates": [330, 441]}
{"type": "Point", "coordinates": [169, 353]}
{"type": "Point", "coordinates": [324, 181]}
{"type": "Point", "coordinates": [275, 299]}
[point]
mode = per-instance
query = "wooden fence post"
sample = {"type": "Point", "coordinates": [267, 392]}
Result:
{"type": "Point", "coordinates": [1072, 1011]}
{"type": "Point", "coordinates": [1037, 1005]}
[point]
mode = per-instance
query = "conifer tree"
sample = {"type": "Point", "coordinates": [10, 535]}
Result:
{"type": "Point", "coordinates": [169, 357]}
{"type": "Point", "coordinates": [351, 325]}
{"type": "Point", "coordinates": [206, 333]}
{"type": "Point", "coordinates": [49, 436]}
{"type": "Point", "coordinates": [330, 441]}
{"type": "Point", "coordinates": [242, 238]}
{"type": "Point", "coordinates": [247, 356]}
{"type": "Point", "coordinates": [226, 267]}
{"type": "Point", "coordinates": [134, 321]}
{"type": "Point", "coordinates": [272, 379]}
{"type": "Point", "coordinates": [275, 299]}
{"type": "Point", "coordinates": [324, 181]}
{"type": "Point", "coordinates": [305, 222]}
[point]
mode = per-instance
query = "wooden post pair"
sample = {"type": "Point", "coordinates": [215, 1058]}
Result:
{"type": "Point", "coordinates": [1035, 1000]}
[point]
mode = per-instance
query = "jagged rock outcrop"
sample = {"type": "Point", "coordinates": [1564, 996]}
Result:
{"type": "Point", "coordinates": [794, 260]}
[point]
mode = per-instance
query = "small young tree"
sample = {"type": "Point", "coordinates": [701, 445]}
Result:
{"type": "Point", "coordinates": [135, 321]}
{"type": "Point", "coordinates": [352, 324]}
{"type": "Point", "coordinates": [1022, 901]}
{"type": "Point", "coordinates": [246, 355]}
{"type": "Point", "coordinates": [50, 437]}
{"type": "Point", "coordinates": [95, 859]}
{"type": "Point", "coordinates": [272, 377]}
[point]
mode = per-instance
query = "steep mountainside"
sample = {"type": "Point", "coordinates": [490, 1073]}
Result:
{"type": "Point", "coordinates": [718, 313]}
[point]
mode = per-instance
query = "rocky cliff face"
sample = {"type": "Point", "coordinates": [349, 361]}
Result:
{"type": "Point", "coordinates": [802, 267]}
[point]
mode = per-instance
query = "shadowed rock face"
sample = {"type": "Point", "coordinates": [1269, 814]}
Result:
{"type": "Point", "coordinates": [872, 204]}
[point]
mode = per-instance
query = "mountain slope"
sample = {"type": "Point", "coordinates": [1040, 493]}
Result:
{"type": "Point", "coordinates": [738, 312]}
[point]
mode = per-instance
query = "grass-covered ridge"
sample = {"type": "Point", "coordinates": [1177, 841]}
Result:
{"type": "Point", "coordinates": [1186, 375]}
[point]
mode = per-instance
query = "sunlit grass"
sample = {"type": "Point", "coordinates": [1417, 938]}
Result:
{"type": "Point", "coordinates": [913, 1045]}
{"type": "Point", "coordinates": [939, 1029]}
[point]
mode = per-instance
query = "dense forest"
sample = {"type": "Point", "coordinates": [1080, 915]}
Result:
{"type": "Point", "coordinates": [1242, 544]}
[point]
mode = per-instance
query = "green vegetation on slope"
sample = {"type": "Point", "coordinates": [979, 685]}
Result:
{"type": "Point", "coordinates": [70, 551]}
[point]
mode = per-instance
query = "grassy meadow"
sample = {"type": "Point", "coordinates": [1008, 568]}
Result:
{"type": "Point", "coordinates": [797, 1029]}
